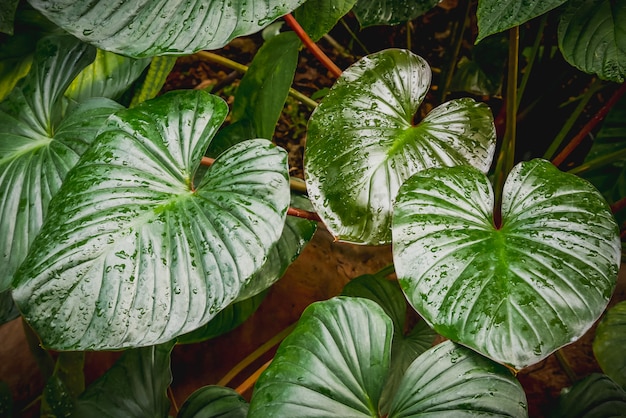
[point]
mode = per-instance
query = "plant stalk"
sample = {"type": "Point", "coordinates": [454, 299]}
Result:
{"type": "Point", "coordinates": [251, 380]}
{"type": "Point", "coordinates": [571, 375]}
{"type": "Point", "coordinates": [457, 36]}
{"type": "Point", "coordinates": [599, 162]}
{"type": "Point", "coordinates": [533, 57]}
{"type": "Point", "coordinates": [353, 36]}
{"type": "Point", "coordinates": [619, 205]}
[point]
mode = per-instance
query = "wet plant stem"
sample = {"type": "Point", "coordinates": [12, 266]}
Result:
{"type": "Point", "coordinates": [353, 36]}
{"type": "Point", "coordinates": [312, 46]}
{"type": "Point", "coordinates": [170, 394]}
{"type": "Point", "coordinates": [597, 118]}
{"type": "Point", "coordinates": [233, 65]}
{"type": "Point", "coordinates": [506, 157]}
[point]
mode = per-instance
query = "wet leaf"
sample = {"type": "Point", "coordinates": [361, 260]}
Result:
{"type": "Point", "coordinates": [214, 402]}
{"type": "Point", "coordinates": [608, 345]}
{"type": "Point", "coordinates": [318, 17]}
{"type": "Point", "coordinates": [390, 12]}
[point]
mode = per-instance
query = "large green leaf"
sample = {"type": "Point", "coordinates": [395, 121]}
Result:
{"type": "Point", "coordinates": [450, 380]}
{"type": "Point", "coordinates": [390, 12]}
{"type": "Point", "coordinates": [333, 364]}
{"type": "Point", "coordinates": [596, 396]}
{"type": "Point", "coordinates": [609, 343]}
{"type": "Point", "coordinates": [514, 293]}
{"type": "Point", "coordinates": [143, 28]}
{"type": "Point", "coordinates": [40, 140]}
{"type": "Point", "coordinates": [132, 254]}
{"type": "Point", "coordinates": [361, 143]}
{"type": "Point", "coordinates": [497, 15]}
{"type": "Point", "coordinates": [318, 17]}
{"type": "Point", "coordinates": [592, 37]}
{"type": "Point", "coordinates": [213, 402]}
{"type": "Point", "coordinates": [135, 387]}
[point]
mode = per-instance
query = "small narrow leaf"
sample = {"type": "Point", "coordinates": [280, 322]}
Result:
{"type": "Point", "coordinates": [390, 12]}
{"type": "Point", "coordinates": [214, 402]}
{"type": "Point", "coordinates": [609, 343]}
{"type": "Point", "coordinates": [318, 17]}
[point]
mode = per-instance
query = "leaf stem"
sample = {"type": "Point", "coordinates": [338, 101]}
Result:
{"type": "Point", "coordinates": [571, 375]}
{"type": "Point", "coordinates": [251, 380]}
{"type": "Point", "coordinates": [312, 46]}
{"type": "Point", "coordinates": [458, 31]}
{"type": "Point", "coordinates": [533, 57]}
{"type": "Point", "coordinates": [170, 394]}
{"type": "Point", "coordinates": [386, 271]}
{"type": "Point", "coordinates": [353, 36]}
{"type": "Point", "coordinates": [597, 118]}
{"type": "Point", "coordinates": [599, 162]}
{"type": "Point", "coordinates": [304, 214]}
{"type": "Point", "coordinates": [619, 205]}
{"type": "Point", "coordinates": [233, 65]}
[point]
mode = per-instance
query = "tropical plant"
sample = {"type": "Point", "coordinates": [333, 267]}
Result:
{"type": "Point", "coordinates": [136, 220]}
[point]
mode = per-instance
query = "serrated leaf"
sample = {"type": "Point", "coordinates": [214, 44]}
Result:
{"type": "Point", "coordinates": [131, 254]}
{"type": "Point", "coordinates": [608, 345]}
{"type": "Point", "coordinates": [144, 28]}
{"type": "Point", "coordinates": [361, 143]}
{"type": "Point", "coordinates": [318, 17]}
{"type": "Point", "coordinates": [450, 380]}
{"type": "Point", "coordinates": [40, 140]}
{"type": "Point", "coordinates": [213, 402]}
{"type": "Point", "coordinates": [390, 12]}
{"type": "Point", "coordinates": [517, 293]}
{"type": "Point", "coordinates": [323, 368]}
{"type": "Point", "coordinates": [496, 15]}
{"type": "Point", "coordinates": [134, 387]}
{"type": "Point", "coordinates": [592, 37]}
{"type": "Point", "coordinates": [596, 396]}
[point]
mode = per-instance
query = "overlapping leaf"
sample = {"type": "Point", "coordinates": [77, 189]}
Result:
{"type": "Point", "coordinates": [608, 344]}
{"type": "Point", "coordinates": [40, 140]}
{"type": "Point", "coordinates": [596, 396]}
{"type": "Point", "coordinates": [318, 17]}
{"type": "Point", "coordinates": [143, 28]}
{"type": "Point", "coordinates": [390, 12]}
{"type": "Point", "coordinates": [362, 145]}
{"type": "Point", "coordinates": [131, 253]}
{"type": "Point", "coordinates": [214, 402]}
{"type": "Point", "coordinates": [516, 293]}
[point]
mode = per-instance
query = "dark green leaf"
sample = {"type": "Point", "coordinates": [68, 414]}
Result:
{"type": "Point", "coordinates": [325, 368]}
{"type": "Point", "coordinates": [596, 396]}
{"type": "Point", "coordinates": [497, 15]}
{"type": "Point", "coordinates": [609, 343]}
{"type": "Point", "coordinates": [263, 90]}
{"type": "Point", "coordinates": [516, 293]}
{"type": "Point", "coordinates": [453, 381]}
{"type": "Point", "coordinates": [592, 37]}
{"type": "Point", "coordinates": [7, 15]}
{"type": "Point", "coordinates": [213, 402]}
{"type": "Point", "coordinates": [232, 134]}
{"type": "Point", "coordinates": [155, 79]}
{"type": "Point", "coordinates": [362, 144]}
{"type": "Point", "coordinates": [143, 28]}
{"type": "Point", "coordinates": [390, 12]}
{"type": "Point", "coordinates": [318, 17]}
{"type": "Point", "coordinates": [56, 401]}
{"type": "Point", "coordinates": [8, 310]}
{"type": "Point", "coordinates": [135, 387]}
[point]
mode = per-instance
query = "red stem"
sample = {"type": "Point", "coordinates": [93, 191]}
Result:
{"type": "Point", "coordinates": [619, 205]}
{"type": "Point", "coordinates": [311, 46]}
{"type": "Point", "coordinates": [597, 118]}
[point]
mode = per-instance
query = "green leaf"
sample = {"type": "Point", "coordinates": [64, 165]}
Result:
{"type": "Point", "coordinates": [596, 396]}
{"type": "Point", "coordinates": [318, 17]}
{"type": "Point", "coordinates": [608, 345]}
{"type": "Point", "coordinates": [323, 368]}
{"type": "Point", "coordinates": [155, 79]}
{"type": "Point", "coordinates": [40, 140]}
{"type": "Point", "coordinates": [361, 143]}
{"type": "Point", "coordinates": [7, 15]}
{"type": "Point", "coordinates": [390, 12]}
{"type": "Point", "coordinates": [213, 402]}
{"type": "Point", "coordinates": [518, 293]}
{"type": "Point", "coordinates": [496, 15]}
{"type": "Point", "coordinates": [450, 380]}
{"type": "Point", "coordinates": [64, 386]}
{"type": "Point", "coordinates": [144, 28]}
{"type": "Point", "coordinates": [108, 76]}
{"type": "Point", "coordinates": [135, 387]}
{"type": "Point", "coordinates": [131, 254]}
{"type": "Point", "coordinates": [56, 401]}
{"type": "Point", "coordinates": [592, 37]}
{"type": "Point", "coordinates": [264, 88]}
{"type": "Point", "coordinates": [8, 310]}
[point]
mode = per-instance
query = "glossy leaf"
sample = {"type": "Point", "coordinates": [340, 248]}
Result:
{"type": "Point", "coordinates": [318, 17]}
{"type": "Point", "coordinates": [40, 140]}
{"type": "Point", "coordinates": [390, 12]}
{"type": "Point", "coordinates": [131, 254]}
{"type": "Point", "coordinates": [134, 387]}
{"type": "Point", "coordinates": [213, 402]}
{"type": "Point", "coordinates": [496, 15]}
{"type": "Point", "coordinates": [596, 396]}
{"type": "Point", "coordinates": [361, 144]}
{"type": "Point", "coordinates": [609, 343]}
{"type": "Point", "coordinates": [592, 37]}
{"type": "Point", "coordinates": [145, 28]}
{"type": "Point", "coordinates": [324, 368]}
{"type": "Point", "coordinates": [518, 293]}
{"type": "Point", "coordinates": [451, 380]}
{"type": "Point", "coordinates": [109, 75]}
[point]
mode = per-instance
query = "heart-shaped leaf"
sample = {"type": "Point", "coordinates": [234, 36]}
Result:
{"type": "Point", "coordinates": [390, 12]}
{"type": "Point", "coordinates": [608, 345]}
{"type": "Point", "coordinates": [143, 28]}
{"type": "Point", "coordinates": [361, 144]}
{"type": "Point", "coordinates": [592, 37]}
{"type": "Point", "coordinates": [131, 253]}
{"type": "Point", "coordinates": [596, 396]}
{"type": "Point", "coordinates": [214, 402]}
{"type": "Point", "coordinates": [515, 293]}
{"type": "Point", "coordinates": [40, 140]}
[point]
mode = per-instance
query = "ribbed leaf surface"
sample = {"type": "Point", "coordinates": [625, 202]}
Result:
{"type": "Point", "coordinates": [214, 402]}
{"type": "Point", "coordinates": [516, 293]}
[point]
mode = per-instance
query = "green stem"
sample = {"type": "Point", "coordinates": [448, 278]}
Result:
{"type": "Point", "coordinates": [386, 271]}
{"type": "Point", "coordinates": [457, 36]}
{"type": "Point", "coordinates": [533, 57]}
{"type": "Point", "coordinates": [599, 162]}
{"type": "Point", "coordinates": [566, 366]}
{"type": "Point", "coordinates": [506, 158]}
{"type": "Point", "coordinates": [353, 36]}
{"type": "Point", "coordinates": [218, 59]}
